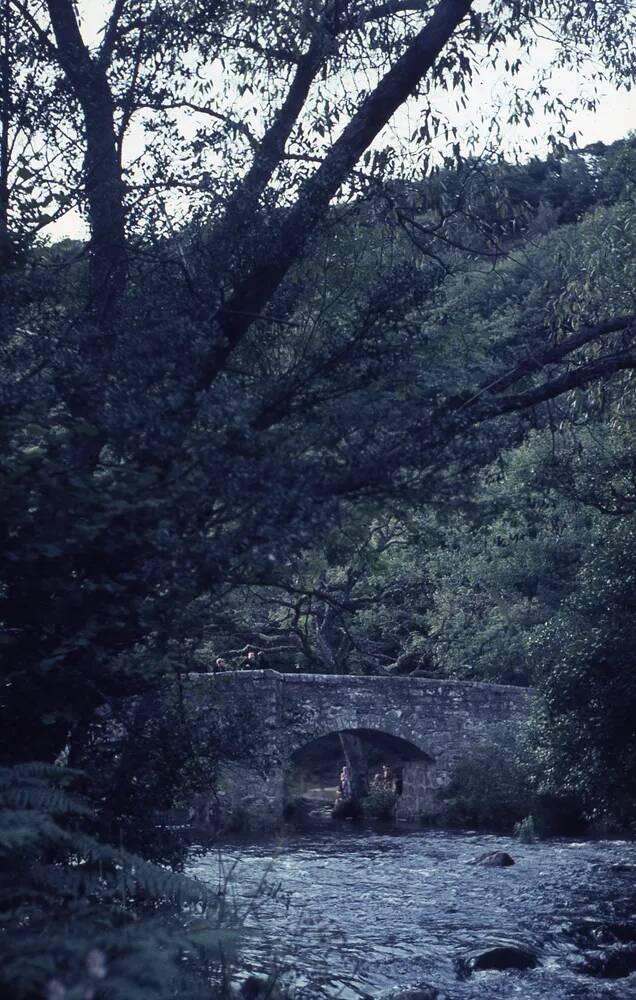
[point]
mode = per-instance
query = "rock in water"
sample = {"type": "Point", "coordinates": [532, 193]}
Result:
{"type": "Point", "coordinates": [258, 987]}
{"type": "Point", "coordinates": [493, 859]}
{"type": "Point", "coordinates": [504, 956]}
{"type": "Point", "coordinates": [616, 963]}
{"type": "Point", "coordinates": [592, 932]}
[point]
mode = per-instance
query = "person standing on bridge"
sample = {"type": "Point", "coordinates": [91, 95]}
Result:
{"type": "Point", "coordinates": [254, 661]}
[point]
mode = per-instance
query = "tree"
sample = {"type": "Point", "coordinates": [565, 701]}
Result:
{"type": "Point", "coordinates": [277, 351]}
{"type": "Point", "coordinates": [585, 734]}
{"type": "Point", "coordinates": [184, 412]}
{"type": "Point", "coordinates": [452, 572]}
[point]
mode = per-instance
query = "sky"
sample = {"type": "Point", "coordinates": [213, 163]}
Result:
{"type": "Point", "coordinates": [613, 118]}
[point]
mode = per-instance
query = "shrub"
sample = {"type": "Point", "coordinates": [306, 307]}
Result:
{"type": "Point", "coordinates": [489, 788]}
{"type": "Point", "coordinates": [380, 803]}
{"type": "Point", "coordinates": [525, 830]}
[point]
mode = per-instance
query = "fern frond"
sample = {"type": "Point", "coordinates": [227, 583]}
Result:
{"type": "Point", "coordinates": [66, 896]}
{"type": "Point", "coordinates": [151, 879]}
{"type": "Point", "coordinates": [24, 828]}
{"type": "Point", "coordinates": [47, 799]}
{"type": "Point", "coordinates": [37, 770]}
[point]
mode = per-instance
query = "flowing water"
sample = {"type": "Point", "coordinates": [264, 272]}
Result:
{"type": "Point", "coordinates": [354, 914]}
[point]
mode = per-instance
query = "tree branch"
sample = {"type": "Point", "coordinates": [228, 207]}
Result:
{"type": "Point", "coordinates": [269, 152]}
{"type": "Point", "coordinates": [104, 187]}
{"type": "Point", "coordinates": [234, 123]}
{"type": "Point", "coordinates": [110, 35]}
{"type": "Point", "coordinates": [388, 9]}
{"type": "Point", "coordinates": [258, 286]}
{"type": "Point", "coordinates": [73, 54]}
{"type": "Point", "coordinates": [538, 361]}
{"type": "Point", "coordinates": [42, 35]}
{"type": "Point", "coordinates": [577, 378]}
{"type": "Point", "coordinates": [127, 106]}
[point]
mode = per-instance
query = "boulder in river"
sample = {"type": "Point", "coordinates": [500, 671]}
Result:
{"type": "Point", "coordinates": [500, 957]}
{"type": "Point", "coordinates": [493, 859]}
{"type": "Point", "coordinates": [347, 809]}
{"type": "Point", "coordinates": [615, 963]}
{"type": "Point", "coordinates": [258, 987]}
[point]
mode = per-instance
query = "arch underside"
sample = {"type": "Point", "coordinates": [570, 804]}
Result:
{"type": "Point", "coordinates": [312, 769]}
{"type": "Point", "coordinates": [392, 745]}
{"type": "Point", "coordinates": [322, 754]}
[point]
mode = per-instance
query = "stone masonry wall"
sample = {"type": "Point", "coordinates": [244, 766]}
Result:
{"type": "Point", "coordinates": [281, 713]}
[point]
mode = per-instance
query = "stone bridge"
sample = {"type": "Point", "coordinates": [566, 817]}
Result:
{"type": "Point", "coordinates": [271, 724]}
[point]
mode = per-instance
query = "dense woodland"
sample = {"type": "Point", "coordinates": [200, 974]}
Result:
{"type": "Point", "coordinates": [364, 404]}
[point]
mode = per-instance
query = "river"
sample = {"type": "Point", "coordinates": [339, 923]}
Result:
{"type": "Point", "coordinates": [352, 914]}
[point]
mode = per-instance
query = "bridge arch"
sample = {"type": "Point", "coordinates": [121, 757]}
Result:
{"type": "Point", "coordinates": [312, 769]}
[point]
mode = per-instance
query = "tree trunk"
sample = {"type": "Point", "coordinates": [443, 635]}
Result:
{"type": "Point", "coordinates": [103, 183]}
{"type": "Point", "coordinates": [105, 195]}
{"type": "Point", "coordinates": [5, 119]}
{"type": "Point", "coordinates": [357, 764]}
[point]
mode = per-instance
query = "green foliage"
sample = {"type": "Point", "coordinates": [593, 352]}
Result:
{"type": "Point", "coordinates": [525, 830]}
{"type": "Point", "coordinates": [454, 572]}
{"type": "Point", "coordinates": [135, 540]}
{"type": "Point", "coordinates": [585, 727]}
{"type": "Point", "coordinates": [490, 788]}
{"type": "Point", "coordinates": [380, 803]}
{"type": "Point", "coordinates": [126, 929]}
{"type": "Point", "coordinates": [159, 752]}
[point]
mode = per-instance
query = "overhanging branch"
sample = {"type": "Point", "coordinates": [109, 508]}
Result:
{"type": "Point", "coordinates": [257, 287]}
{"type": "Point", "coordinates": [576, 378]}
{"type": "Point", "coordinates": [556, 353]}
{"type": "Point", "coordinates": [39, 32]}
